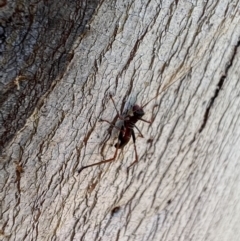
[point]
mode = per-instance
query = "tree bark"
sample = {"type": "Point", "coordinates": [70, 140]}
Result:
{"type": "Point", "coordinates": [36, 47]}
{"type": "Point", "coordinates": [180, 56]}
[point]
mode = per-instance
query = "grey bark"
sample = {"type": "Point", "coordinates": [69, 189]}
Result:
{"type": "Point", "coordinates": [185, 185]}
{"type": "Point", "coordinates": [36, 46]}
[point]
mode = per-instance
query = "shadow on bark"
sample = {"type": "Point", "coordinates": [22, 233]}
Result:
{"type": "Point", "coordinates": [35, 47]}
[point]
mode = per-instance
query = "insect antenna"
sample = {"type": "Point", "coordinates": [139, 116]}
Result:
{"type": "Point", "coordinates": [162, 90]}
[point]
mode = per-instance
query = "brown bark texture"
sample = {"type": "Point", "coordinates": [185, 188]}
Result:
{"type": "Point", "coordinates": [60, 61]}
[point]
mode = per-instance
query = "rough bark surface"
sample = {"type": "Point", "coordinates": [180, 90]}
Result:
{"type": "Point", "coordinates": [186, 183]}
{"type": "Point", "coordinates": [36, 40]}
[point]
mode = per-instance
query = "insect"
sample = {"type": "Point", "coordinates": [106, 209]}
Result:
{"type": "Point", "coordinates": [126, 132]}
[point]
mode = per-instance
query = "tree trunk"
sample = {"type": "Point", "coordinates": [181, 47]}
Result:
{"type": "Point", "coordinates": [180, 56]}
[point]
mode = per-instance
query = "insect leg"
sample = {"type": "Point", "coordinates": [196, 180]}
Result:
{"type": "Point", "coordinates": [101, 162]}
{"type": "Point", "coordinates": [115, 154]}
{"type": "Point", "coordinates": [135, 149]}
{"type": "Point", "coordinates": [119, 116]}
{"type": "Point", "coordinates": [111, 124]}
{"type": "Point", "coordinates": [139, 131]}
{"type": "Point", "coordinates": [120, 129]}
{"type": "Point", "coordinates": [149, 122]}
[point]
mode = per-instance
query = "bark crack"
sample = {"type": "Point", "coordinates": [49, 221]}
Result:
{"type": "Point", "coordinates": [219, 86]}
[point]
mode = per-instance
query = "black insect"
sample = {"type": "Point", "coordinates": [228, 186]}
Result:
{"type": "Point", "coordinates": [125, 132]}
